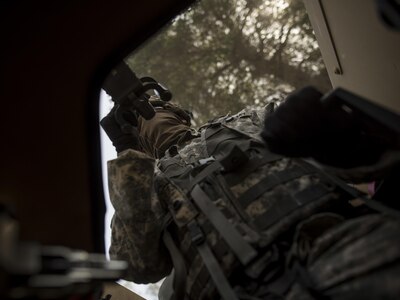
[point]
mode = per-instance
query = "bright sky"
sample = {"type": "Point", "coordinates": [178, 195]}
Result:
{"type": "Point", "coordinates": [107, 153]}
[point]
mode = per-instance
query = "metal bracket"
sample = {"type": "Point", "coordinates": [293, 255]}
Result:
{"type": "Point", "coordinates": [323, 32]}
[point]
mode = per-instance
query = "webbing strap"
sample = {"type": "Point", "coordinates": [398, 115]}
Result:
{"type": "Point", "coordinates": [180, 275]}
{"type": "Point", "coordinates": [207, 171]}
{"type": "Point", "coordinates": [358, 194]}
{"type": "Point", "coordinates": [220, 281]}
{"type": "Point", "coordinates": [269, 182]}
{"type": "Point", "coordinates": [288, 204]}
{"type": "Point", "coordinates": [253, 164]}
{"type": "Point", "coordinates": [310, 194]}
{"type": "Point", "coordinates": [211, 263]}
{"type": "Point", "coordinates": [242, 249]}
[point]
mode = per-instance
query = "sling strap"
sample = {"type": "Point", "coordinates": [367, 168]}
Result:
{"type": "Point", "coordinates": [242, 249]}
{"type": "Point", "coordinates": [270, 182]}
{"type": "Point", "coordinates": [375, 205]}
{"type": "Point", "coordinates": [207, 171]}
{"type": "Point", "coordinates": [290, 203]}
{"type": "Point", "coordinates": [211, 263]}
{"type": "Point", "coordinates": [178, 262]}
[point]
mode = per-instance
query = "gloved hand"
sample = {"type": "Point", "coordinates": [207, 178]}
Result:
{"type": "Point", "coordinates": [121, 140]}
{"type": "Point", "coordinates": [304, 127]}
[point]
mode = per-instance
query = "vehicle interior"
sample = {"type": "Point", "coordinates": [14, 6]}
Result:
{"type": "Point", "coordinates": [55, 57]}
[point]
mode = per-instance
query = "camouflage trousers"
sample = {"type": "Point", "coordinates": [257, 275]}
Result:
{"type": "Point", "coordinates": [332, 258]}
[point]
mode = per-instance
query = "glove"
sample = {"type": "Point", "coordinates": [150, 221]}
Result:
{"type": "Point", "coordinates": [121, 140]}
{"type": "Point", "coordinates": [303, 127]}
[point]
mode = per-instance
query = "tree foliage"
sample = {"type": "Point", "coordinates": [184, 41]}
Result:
{"type": "Point", "coordinates": [218, 57]}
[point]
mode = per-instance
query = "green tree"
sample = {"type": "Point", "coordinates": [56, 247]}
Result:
{"type": "Point", "coordinates": [218, 57]}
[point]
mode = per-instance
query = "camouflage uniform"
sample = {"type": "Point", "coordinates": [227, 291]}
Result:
{"type": "Point", "coordinates": [323, 250]}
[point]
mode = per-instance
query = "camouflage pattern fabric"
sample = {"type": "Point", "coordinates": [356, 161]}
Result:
{"type": "Point", "coordinates": [137, 222]}
{"type": "Point", "coordinates": [358, 259]}
{"type": "Point", "coordinates": [139, 214]}
{"type": "Point", "coordinates": [339, 258]}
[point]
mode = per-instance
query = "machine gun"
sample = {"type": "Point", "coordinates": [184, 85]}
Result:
{"type": "Point", "coordinates": [369, 116]}
{"type": "Point", "coordinates": [382, 126]}
{"type": "Point", "coordinates": [130, 95]}
{"type": "Point", "coordinates": [378, 129]}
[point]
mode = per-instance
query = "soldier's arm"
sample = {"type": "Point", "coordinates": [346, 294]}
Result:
{"type": "Point", "coordinates": [137, 222]}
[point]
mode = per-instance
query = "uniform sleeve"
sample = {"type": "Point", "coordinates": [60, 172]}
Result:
{"type": "Point", "coordinates": [137, 222]}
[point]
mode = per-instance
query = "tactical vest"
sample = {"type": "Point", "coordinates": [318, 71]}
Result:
{"type": "Point", "coordinates": [242, 201]}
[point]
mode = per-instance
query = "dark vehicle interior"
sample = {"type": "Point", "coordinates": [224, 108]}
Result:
{"type": "Point", "coordinates": [55, 56]}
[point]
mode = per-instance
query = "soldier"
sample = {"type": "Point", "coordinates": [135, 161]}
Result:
{"type": "Point", "coordinates": [236, 221]}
